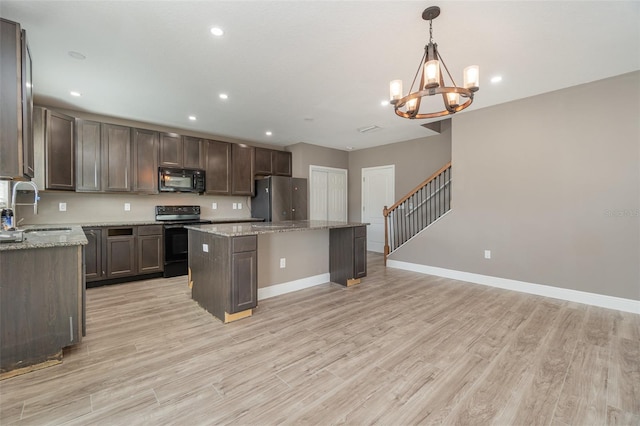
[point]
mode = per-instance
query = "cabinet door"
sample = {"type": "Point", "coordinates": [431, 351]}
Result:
{"type": "Point", "coordinates": [116, 158]}
{"type": "Point", "coordinates": [242, 170]}
{"type": "Point", "coordinates": [263, 164]}
{"type": "Point", "coordinates": [93, 254]}
{"type": "Point", "coordinates": [360, 252]}
{"type": "Point", "coordinates": [217, 165]}
{"type": "Point", "coordinates": [244, 281]}
{"type": "Point", "coordinates": [150, 245]}
{"type": "Point", "coordinates": [121, 257]}
{"type": "Point", "coordinates": [10, 113]}
{"type": "Point", "coordinates": [281, 163]}
{"type": "Point", "coordinates": [27, 110]}
{"type": "Point", "coordinates": [191, 152]}
{"type": "Point", "coordinates": [145, 161]}
{"type": "Point", "coordinates": [171, 150]}
{"type": "Point", "coordinates": [60, 151]}
{"type": "Point", "coordinates": [89, 170]}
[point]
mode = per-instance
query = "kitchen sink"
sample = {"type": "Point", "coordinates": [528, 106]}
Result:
{"type": "Point", "coordinates": [48, 231]}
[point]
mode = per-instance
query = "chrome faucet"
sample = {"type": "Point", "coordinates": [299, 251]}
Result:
{"type": "Point", "coordinates": [13, 199]}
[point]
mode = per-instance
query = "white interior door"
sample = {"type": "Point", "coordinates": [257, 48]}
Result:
{"type": "Point", "coordinates": [327, 193]}
{"type": "Point", "coordinates": [378, 190]}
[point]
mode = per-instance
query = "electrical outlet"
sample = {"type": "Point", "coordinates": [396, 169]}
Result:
{"type": "Point", "coordinates": [205, 248]}
{"type": "Point", "coordinates": [235, 206]}
{"type": "Point", "coordinates": [239, 206]}
{"type": "Point", "coordinates": [283, 262]}
{"type": "Point", "coordinates": [127, 207]}
{"type": "Point", "coordinates": [62, 207]}
{"type": "Point", "coordinates": [487, 254]}
{"type": "Point", "coordinates": [214, 206]}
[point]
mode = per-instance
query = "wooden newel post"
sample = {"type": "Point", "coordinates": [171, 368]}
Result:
{"type": "Point", "coordinates": [385, 213]}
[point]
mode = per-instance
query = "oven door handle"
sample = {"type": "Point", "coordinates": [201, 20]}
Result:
{"type": "Point", "coordinates": [173, 226]}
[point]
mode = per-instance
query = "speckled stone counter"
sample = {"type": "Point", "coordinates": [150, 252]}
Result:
{"type": "Point", "coordinates": [48, 236]}
{"type": "Point", "coordinates": [242, 229]}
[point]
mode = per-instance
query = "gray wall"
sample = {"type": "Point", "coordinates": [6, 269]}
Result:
{"type": "Point", "coordinates": [551, 185]}
{"type": "Point", "coordinates": [414, 161]}
{"type": "Point", "coordinates": [305, 155]}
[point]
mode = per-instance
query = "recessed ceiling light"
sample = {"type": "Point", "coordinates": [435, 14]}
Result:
{"type": "Point", "coordinates": [216, 31]}
{"type": "Point", "coordinates": [268, 133]}
{"type": "Point", "coordinates": [77, 55]}
{"type": "Point", "coordinates": [74, 93]}
{"type": "Point", "coordinates": [496, 79]}
{"type": "Point", "coordinates": [192, 117]}
{"type": "Point", "coordinates": [224, 96]}
{"type": "Point", "coordinates": [384, 103]}
{"type": "Point", "coordinates": [349, 148]}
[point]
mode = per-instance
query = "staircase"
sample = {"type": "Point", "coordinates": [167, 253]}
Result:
{"type": "Point", "coordinates": [418, 209]}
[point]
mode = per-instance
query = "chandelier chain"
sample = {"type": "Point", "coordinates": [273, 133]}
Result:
{"type": "Point", "coordinates": [430, 30]}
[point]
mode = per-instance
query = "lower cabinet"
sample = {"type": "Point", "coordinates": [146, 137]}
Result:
{"type": "Point", "coordinates": [41, 309]}
{"type": "Point", "coordinates": [150, 249]}
{"type": "Point", "coordinates": [348, 255]}
{"type": "Point", "coordinates": [223, 274]}
{"type": "Point", "coordinates": [114, 252]}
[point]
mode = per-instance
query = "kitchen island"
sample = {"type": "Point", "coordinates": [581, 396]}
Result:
{"type": "Point", "coordinates": [42, 297]}
{"type": "Point", "coordinates": [224, 261]}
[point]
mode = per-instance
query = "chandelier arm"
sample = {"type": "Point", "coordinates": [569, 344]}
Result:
{"type": "Point", "coordinates": [446, 69]}
{"type": "Point", "coordinates": [429, 92]}
{"type": "Point", "coordinates": [418, 72]}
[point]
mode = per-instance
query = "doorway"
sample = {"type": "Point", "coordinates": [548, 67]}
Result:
{"type": "Point", "coordinates": [327, 193]}
{"type": "Point", "coordinates": [378, 190]}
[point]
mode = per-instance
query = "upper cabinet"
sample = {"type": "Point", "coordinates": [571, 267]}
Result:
{"type": "Point", "coordinates": [88, 156]}
{"type": "Point", "coordinates": [116, 158]}
{"type": "Point", "coordinates": [16, 103]}
{"type": "Point", "coordinates": [242, 160]}
{"type": "Point", "coordinates": [217, 167]}
{"type": "Point", "coordinates": [179, 151]}
{"type": "Point", "coordinates": [60, 150]}
{"type": "Point", "coordinates": [271, 162]}
{"type": "Point", "coordinates": [145, 160]}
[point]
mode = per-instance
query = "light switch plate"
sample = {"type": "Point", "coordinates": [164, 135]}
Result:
{"type": "Point", "coordinates": [62, 207]}
{"type": "Point", "coordinates": [214, 206]}
{"type": "Point", "coordinates": [127, 207]}
{"type": "Point", "coordinates": [205, 248]}
{"type": "Point", "coordinates": [487, 254]}
{"type": "Point", "coordinates": [239, 206]}
{"type": "Point", "coordinates": [283, 262]}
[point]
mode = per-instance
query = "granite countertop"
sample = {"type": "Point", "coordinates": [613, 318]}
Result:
{"type": "Point", "coordinates": [240, 229]}
{"type": "Point", "coordinates": [48, 236]}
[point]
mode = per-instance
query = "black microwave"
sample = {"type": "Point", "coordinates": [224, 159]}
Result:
{"type": "Point", "coordinates": [181, 180]}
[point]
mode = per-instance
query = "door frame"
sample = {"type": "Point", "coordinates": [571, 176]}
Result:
{"type": "Point", "coordinates": [313, 168]}
{"type": "Point", "coordinates": [363, 198]}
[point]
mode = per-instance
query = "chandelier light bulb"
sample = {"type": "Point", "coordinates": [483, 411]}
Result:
{"type": "Point", "coordinates": [412, 105]}
{"type": "Point", "coordinates": [472, 78]}
{"type": "Point", "coordinates": [431, 74]}
{"type": "Point", "coordinates": [453, 99]}
{"type": "Point", "coordinates": [395, 90]}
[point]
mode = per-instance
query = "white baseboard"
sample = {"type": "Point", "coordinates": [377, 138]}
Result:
{"type": "Point", "coordinates": [601, 300]}
{"type": "Point", "coordinates": [288, 287]}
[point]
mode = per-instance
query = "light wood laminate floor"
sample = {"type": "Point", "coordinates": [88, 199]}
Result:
{"type": "Point", "coordinates": [400, 348]}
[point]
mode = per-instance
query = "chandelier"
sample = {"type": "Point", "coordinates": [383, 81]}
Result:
{"type": "Point", "coordinates": [455, 98]}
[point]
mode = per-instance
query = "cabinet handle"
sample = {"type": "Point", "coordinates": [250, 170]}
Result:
{"type": "Point", "coordinates": [71, 329]}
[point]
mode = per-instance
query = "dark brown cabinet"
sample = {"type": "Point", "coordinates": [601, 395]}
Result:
{"type": "Point", "coordinates": [244, 278]}
{"type": "Point", "coordinates": [224, 274]}
{"type": "Point", "coordinates": [93, 251]}
{"type": "Point", "coordinates": [121, 255]}
{"type": "Point", "coordinates": [348, 255]}
{"type": "Point", "coordinates": [60, 151]}
{"type": "Point", "coordinates": [88, 156]}
{"type": "Point", "coordinates": [16, 103]}
{"type": "Point", "coordinates": [145, 160]}
{"type": "Point", "coordinates": [150, 249]}
{"type": "Point", "coordinates": [179, 151]}
{"type": "Point", "coordinates": [217, 166]}
{"type": "Point", "coordinates": [272, 162]}
{"type": "Point", "coordinates": [242, 162]}
{"type": "Point", "coordinates": [116, 158]}
{"type": "Point", "coordinates": [191, 152]}
{"type": "Point", "coordinates": [40, 305]}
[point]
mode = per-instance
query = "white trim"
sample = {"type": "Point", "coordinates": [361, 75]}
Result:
{"type": "Point", "coordinates": [363, 200]}
{"type": "Point", "coordinates": [601, 300]}
{"type": "Point", "coordinates": [288, 287]}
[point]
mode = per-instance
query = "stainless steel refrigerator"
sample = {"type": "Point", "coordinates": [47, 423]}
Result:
{"type": "Point", "coordinates": [280, 198]}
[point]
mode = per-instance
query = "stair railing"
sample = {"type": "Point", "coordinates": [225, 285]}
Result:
{"type": "Point", "coordinates": [422, 206]}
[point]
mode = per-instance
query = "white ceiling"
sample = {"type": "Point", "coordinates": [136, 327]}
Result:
{"type": "Point", "coordinates": [309, 71]}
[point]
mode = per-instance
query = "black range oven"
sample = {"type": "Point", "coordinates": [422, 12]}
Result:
{"type": "Point", "coordinates": [176, 236]}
